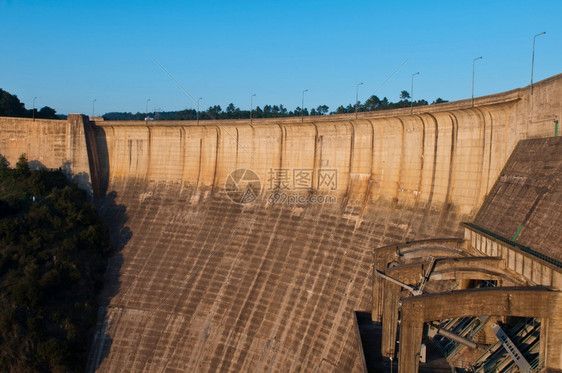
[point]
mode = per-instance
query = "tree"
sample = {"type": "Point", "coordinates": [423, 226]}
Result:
{"type": "Point", "coordinates": [384, 103]}
{"type": "Point", "coordinates": [47, 112]}
{"type": "Point", "coordinates": [22, 168]}
{"type": "Point", "coordinates": [439, 100]}
{"type": "Point", "coordinates": [404, 95]}
{"type": "Point", "coordinates": [10, 106]}
{"type": "Point", "coordinates": [372, 103]}
{"type": "Point", "coordinates": [230, 108]}
{"type": "Point", "coordinates": [214, 111]}
{"type": "Point", "coordinates": [322, 110]}
{"type": "Point", "coordinates": [341, 110]}
{"type": "Point", "coordinates": [3, 165]}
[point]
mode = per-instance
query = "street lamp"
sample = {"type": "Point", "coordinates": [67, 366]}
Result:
{"type": "Point", "coordinates": [533, 58]}
{"type": "Point", "coordinates": [302, 106]}
{"type": "Point", "coordinates": [94, 107]}
{"type": "Point", "coordinates": [357, 98]}
{"type": "Point", "coordinates": [200, 98]}
{"type": "Point", "coordinates": [251, 106]}
{"type": "Point", "coordinates": [146, 110]}
{"type": "Point", "coordinates": [473, 61]}
{"type": "Point", "coordinates": [34, 98]}
{"type": "Point", "coordinates": [412, 89]}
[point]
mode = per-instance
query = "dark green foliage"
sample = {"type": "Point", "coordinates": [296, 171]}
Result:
{"type": "Point", "coordinates": [439, 100]}
{"type": "Point", "coordinates": [47, 112]}
{"type": "Point", "coordinates": [4, 164]}
{"type": "Point", "coordinates": [404, 95]}
{"type": "Point", "coordinates": [52, 258]}
{"type": "Point", "coordinates": [10, 106]}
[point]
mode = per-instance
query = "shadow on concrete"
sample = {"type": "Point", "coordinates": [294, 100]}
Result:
{"type": "Point", "coordinates": [371, 335]}
{"type": "Point", "coordinates": [115, 217]}
{"type": "Point", "coordinates": [36, 165]}
{"type": "Point", "coordinates": [100, 177]}
{"type": "Point", "coordinates": [371, 341]}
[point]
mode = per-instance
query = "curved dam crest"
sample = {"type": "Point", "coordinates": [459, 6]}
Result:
{"type": "Point", "coordinates": [200, 283]}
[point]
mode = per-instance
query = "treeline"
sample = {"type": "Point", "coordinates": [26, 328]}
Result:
{"type": "Point", "coordinates": [217, 112]}
{"type": "Point", "coordinates": [373, 103]}
{"type": "Point", "coordinates": [11, 106]}
{"type": "Point", "coordinates": [53, 254]}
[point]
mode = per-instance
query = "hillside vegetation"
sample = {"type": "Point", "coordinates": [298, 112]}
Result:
{"type": "Point", "coordinates": [53, 250]}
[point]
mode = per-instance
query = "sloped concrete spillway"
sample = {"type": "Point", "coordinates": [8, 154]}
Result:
{"type": "Point", "coordinates": [201, 283]}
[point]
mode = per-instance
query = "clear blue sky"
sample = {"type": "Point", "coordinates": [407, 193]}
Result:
{"type": "Point", "coordinates": [69, 52]}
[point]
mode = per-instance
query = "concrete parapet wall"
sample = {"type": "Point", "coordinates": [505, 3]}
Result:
{"type": "Point", "coordinates": [442, 156]}
{"type": "Point", "coordinates": [44, 141]}
{"type": "Point", "coordinates": [49, 143]}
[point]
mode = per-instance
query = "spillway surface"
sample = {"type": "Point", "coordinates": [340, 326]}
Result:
{"type": "Point", "coordinates": [215, 286]}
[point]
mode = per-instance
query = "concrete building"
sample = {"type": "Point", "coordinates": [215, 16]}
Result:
{"type": "Point", "coordinates": [223, 270]}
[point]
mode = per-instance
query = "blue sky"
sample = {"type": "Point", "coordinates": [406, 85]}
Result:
{"type": "Point", "coordinates": [66, 53]}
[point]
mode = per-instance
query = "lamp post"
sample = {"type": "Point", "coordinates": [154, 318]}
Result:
{"type": "Point", "coordinates": [251, 106]}
{"type": "Point", "coordinates": [533, 58]}
{"type": "Point", "coordinates": [94, 107]}
{"type": "Point", "coordinates": [34, 98]}
{"type": "Point", "coordinates": [357, 98]}
{"type": "Point", "coordinates": [473, 61]}
{"type": "Point", "coordinates": [302, 106]}
{"type": "Point", "coordinates": [146, 110]}
{"type": "Point", "coordinates": [412, 89]}
{"type": "Point", "coordinates": [199, 99]}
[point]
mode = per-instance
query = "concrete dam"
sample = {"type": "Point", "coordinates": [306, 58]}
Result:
{"type": "Point", "coordinates": [263, 269]}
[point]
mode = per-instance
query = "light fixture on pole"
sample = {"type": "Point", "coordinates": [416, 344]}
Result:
{"type": "Point", "coordinates": [473, 61]}
{"type": "Point", "coordinates": [357, 98]}
{"type": "Point", "coordinates": [146, 110]}
{"type": "Point", "coordinates": [199, 99]}
{"type": "Point", "coordinates": [94, 107]}
{"type": "Point", "coordinates": [533, 58]}
{"type": "Point", "coordinates": [251, 106]}
{"type": "Point", "coordinates": [412, 89]}
{"type": "Point", "coordinates": [302, 106]}
{"type": "Point", "coordinates": [34, 98]}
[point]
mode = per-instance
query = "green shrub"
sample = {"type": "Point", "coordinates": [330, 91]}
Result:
{"type": "Point", "coordinates": [52, 257]}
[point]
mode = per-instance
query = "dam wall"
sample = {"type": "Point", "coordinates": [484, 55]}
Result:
{"type": "Point", "coordinates": [49, 144]}
{"type": "Point", "coordinates": [441, 156]}
{"type": "Point", "coordinates": [200, 283]}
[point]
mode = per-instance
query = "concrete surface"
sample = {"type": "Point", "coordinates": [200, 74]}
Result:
{"type": "Point", "coordinates": [202, 284]}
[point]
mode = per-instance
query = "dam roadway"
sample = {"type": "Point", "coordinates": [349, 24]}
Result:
{"type": "Point", "coordinates": [199, 283]}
